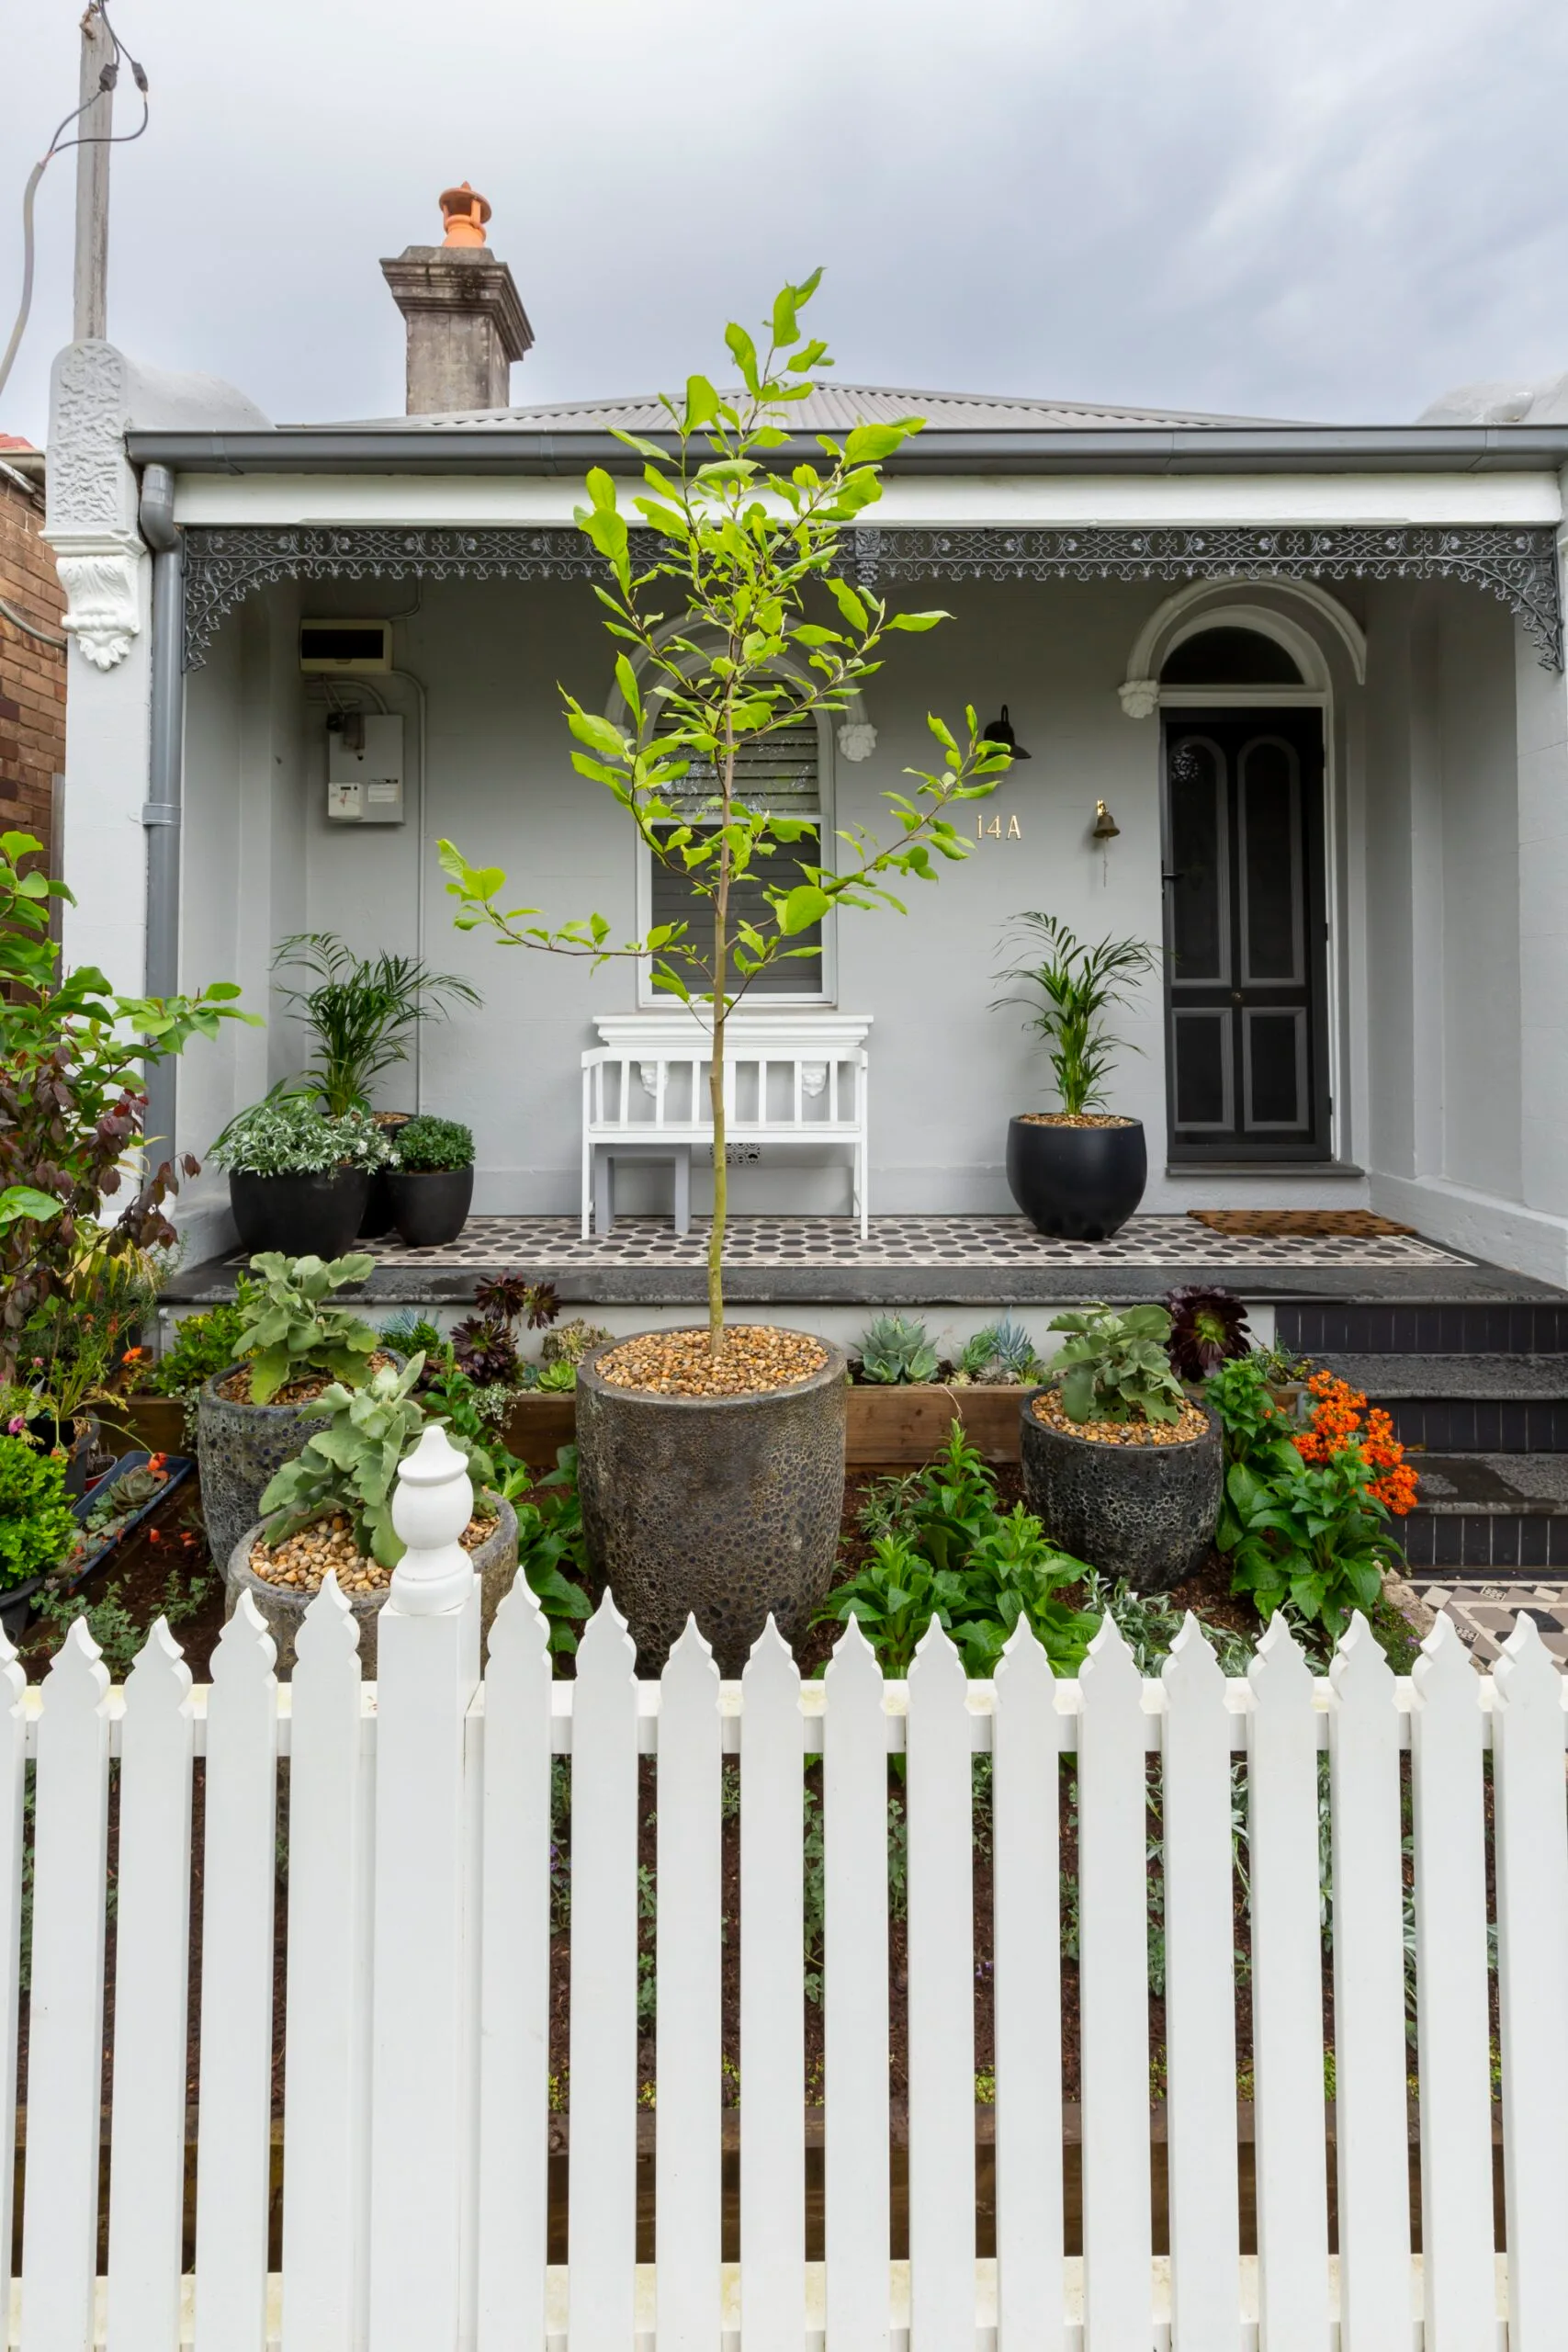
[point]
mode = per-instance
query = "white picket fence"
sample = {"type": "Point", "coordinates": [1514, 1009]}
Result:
{"type": "Point", "coordinates": [417, 2010]}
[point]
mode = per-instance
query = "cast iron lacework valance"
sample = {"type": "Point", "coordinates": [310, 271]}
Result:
{"type": "Point", "coordinates": [1516, 562]}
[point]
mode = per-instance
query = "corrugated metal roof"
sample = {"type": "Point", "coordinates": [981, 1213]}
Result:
{"type": "Point", "coordinates": [833, 407]}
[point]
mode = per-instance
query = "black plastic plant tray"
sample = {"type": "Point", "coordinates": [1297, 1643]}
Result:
{"type": "Point", "coordinates": [179, 1466]}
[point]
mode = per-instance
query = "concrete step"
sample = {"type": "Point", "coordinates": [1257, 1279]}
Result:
{"type": "Point", "coordinates": [1465, 1404]}
{"type": "Point", "coordinates": [1485, 1511]}
{"type": "Point", "coordinates": [1462, 1327]}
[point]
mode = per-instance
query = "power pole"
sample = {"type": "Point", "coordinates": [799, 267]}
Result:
{"type": "Point", "coordinates": [90, 288]}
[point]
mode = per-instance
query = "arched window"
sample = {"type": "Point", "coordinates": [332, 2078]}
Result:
{"type": "Point", "coordinates": [783, 773]}
{"type": "Point", "coordinates": [1229, 657]}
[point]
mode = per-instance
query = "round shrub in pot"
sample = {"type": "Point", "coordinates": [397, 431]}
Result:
{"type": "Point", "coordinates": [1122, 1467]}
{"type": "Point", "coordinates": [251, 1416]}
{"type": "Point", "coordinates": [1077, 1173]}
{"type": "Point", "coordinates": [298, 1178]}
{"type": "Point", "coordinates": [430, 1184]}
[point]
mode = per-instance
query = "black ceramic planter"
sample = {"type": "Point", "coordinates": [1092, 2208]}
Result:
{"type": "Point", "coordinates": [1145, 1512]}
{"type": "Point", "coordinates": [724, 1506]}
{"type": "Point", "coordinates": [305, 1216]}
{"type": "Point", "coordinates": [1076, 1183]}
{"type": "Point", "coordinates": [377, 1218]}
{"type": "Point", "coordinates": [429, 1206]}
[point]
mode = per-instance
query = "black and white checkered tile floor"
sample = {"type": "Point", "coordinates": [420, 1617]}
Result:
{"type": "Point", "coordinates": [914, 1241]}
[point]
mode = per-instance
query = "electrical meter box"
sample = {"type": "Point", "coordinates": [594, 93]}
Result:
{"type": "Point", "coordinates": [365, 768]}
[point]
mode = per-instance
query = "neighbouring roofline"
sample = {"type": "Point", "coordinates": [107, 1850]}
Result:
{"type": "Point", "coordinates": [411, 448]}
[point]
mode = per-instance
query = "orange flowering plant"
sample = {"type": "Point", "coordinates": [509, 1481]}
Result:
{"type": "Point", "coordinates": [1304, 1513]}
{"type": "Point", "coordinates": [1338, 1419]}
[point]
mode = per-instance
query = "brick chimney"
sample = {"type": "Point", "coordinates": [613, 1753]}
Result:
{"type": "Point", "coordinates": [465, 321]}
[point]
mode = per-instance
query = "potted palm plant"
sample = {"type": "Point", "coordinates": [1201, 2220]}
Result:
{"type": "Point", "coordinates": [1077, 1172]}
{"type": "Point", "coordinates": [360, 1014]}
{"type": "Point", "coordinates": [712, 1460]}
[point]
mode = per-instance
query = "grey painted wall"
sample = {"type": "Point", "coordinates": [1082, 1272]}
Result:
{"type": "Point", "coordinates": [1424, 840]}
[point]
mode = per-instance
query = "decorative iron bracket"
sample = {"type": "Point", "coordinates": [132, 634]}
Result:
{"type": "Point", "coordinates": [1515, 562]}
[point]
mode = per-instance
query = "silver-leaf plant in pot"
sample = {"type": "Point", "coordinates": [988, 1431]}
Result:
{"type": "Point", "coordinates": [712, 1459]}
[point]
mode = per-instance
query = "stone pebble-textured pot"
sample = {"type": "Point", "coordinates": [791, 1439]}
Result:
{"type": "Point", "coordinates": [724, 1506]}
{"type": "Point", "coordinates": [305, 1216]}
{"type": "Point", "coordinates": [1076, 1183]}
{"type": "Point", "coordinates": [1145, 1512]}
{"type": "Point", "coordinates": [430, 1206]}
{"type": "Point", "coordinates": [283, 1612]}
{"type": "Point", "coordinates": [239, 1449]}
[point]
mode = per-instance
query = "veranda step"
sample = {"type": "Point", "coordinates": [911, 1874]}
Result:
{"type": "Point", "coordinates": [1489, 1511]}
{"type": "Point", "coordinates": [1465, 1404]}
{"type": "Point", "coordinates": [1450, 1327]}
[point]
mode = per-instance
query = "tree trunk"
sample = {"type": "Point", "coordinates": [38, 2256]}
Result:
{"type": "Point", "coordinates": [715, 1067]}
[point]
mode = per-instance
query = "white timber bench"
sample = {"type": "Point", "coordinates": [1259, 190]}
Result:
{"type": "Point", "coordinates": [645, 1097]}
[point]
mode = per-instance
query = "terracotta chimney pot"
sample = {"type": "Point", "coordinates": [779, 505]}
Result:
{"type": "Point", "coordinates": [464, 215]}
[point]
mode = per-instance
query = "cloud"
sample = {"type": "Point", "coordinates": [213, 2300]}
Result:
{"type": "Point", "coordinates": [1323, 210]}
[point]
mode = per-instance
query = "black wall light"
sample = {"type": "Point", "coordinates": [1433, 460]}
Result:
{"type": "Point", "coordinates": [1000, 731]}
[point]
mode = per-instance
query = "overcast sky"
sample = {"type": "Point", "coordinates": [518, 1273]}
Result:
{"type": "Point", "coordinates": [1334, 208]}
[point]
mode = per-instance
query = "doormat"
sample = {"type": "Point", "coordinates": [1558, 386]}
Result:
{"type": "Point", "coordinates": [1301, 1225]}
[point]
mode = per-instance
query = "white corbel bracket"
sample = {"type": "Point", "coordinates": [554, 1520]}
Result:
{"type": "Point", "coordinates": [1139, 697]}
{"type": "Point", "coordinates": [100, 573]}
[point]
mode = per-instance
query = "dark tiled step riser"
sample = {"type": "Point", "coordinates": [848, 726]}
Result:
{"type": "Point", "coordinates": [1438, 1541]}
{"type": "Point", "coordinates": [1468, 1327]}
{"type": "Point", "coordinates": [1480, 1425]}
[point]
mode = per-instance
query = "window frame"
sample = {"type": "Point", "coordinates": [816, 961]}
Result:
{"type": "Point", "coordinates": [824, 999]}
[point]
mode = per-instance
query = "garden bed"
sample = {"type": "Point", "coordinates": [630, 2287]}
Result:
{"type": "Point", "coordinates": [895, 1427]}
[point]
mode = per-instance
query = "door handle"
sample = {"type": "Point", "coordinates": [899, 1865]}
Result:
{"type": "Point", "coordinates": [1173, 874]}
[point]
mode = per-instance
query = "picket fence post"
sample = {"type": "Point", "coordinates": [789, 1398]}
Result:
{"type": "Point", "coordinates": [428, 1643]}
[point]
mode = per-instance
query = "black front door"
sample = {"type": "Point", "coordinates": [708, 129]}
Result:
{"type": "Point", "coordinates": [1246, 936]}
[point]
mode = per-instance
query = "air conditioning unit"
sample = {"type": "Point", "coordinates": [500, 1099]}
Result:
{"type": "Point", "coordinates": [351, 647]}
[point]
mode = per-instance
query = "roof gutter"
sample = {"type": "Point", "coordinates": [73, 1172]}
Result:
{"type": "Point", "coordinates": [400, 449]}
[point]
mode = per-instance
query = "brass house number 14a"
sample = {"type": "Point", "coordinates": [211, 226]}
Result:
{"type": "Point", "coordinates": [992, 829]}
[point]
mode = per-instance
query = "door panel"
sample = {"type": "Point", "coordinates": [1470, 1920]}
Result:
{"type": "Point", "coordinates": [1246, 964]}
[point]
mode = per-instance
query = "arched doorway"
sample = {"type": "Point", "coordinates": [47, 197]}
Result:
{"type": "Point", "coordinates": [1246, 920]}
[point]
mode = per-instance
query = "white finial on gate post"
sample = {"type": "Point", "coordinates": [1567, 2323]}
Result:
{"type": "Point", "coordinates": [432, 1504]}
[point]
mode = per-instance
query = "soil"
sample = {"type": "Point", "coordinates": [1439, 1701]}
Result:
{"type": "Point", "coordinates": [756, 1358]}
{"type": "Point", "coordinates": [1189, 1423]}
{"type": "Point", "coordinates": [237, 1387]}
{"type": "Point", "coordinates": [1074, 1119]}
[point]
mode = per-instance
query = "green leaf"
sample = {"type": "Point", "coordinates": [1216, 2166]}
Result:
{"type": "Point", "coordinates": [916, 621]}
{"type": "Point", "coordinates": [869, 444]}
{"type": "Point", "coordinates": [702, 403]}
{"type": "Point", "coordinates": [850, 604]}
{"type": "Point", "coordinates": [804, 906]}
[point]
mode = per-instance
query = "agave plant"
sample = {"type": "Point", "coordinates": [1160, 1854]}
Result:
{"type": "Point", "coordinates": [895, 1349]}
{"type": "Point", "coordinates": [1003, 1353]}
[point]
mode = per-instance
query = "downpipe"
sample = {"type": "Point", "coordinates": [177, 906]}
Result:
{"type": "Point", "coordinates": [160, 811]}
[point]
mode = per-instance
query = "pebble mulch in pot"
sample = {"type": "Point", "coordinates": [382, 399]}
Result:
{"type": "Point", "coordinates": [1191, 1423]}
{"type": "Point", "coordinates": [756, 1357]}
{"type": "Point", "coordinates": [304, 1561]}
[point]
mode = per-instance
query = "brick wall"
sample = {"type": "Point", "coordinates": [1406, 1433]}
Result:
{"type": "Point", "coordinates": [33, 675]}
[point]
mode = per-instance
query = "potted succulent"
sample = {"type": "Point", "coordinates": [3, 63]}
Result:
{"type": "Point", "coordinates": [1077, 1172]}
{"type": "Point", "coordinates": [711, 1460]}
{"type": "Point", "coordinates": [300, 1176]}
{"type": "Point", "coordinates": [293, 1345]}
{"type": "Point", "coordinates": [1121, 1465]}
{"type": "Point", "coordinates": [430, 1180]}
{"type": "Point", "coordinates": [360, 1014]}
{"type": "Point", "coordinates": [329, 1511]}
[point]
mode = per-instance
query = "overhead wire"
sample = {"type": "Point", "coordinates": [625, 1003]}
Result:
{"type": "Point", "coordinates": [107, 78]}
